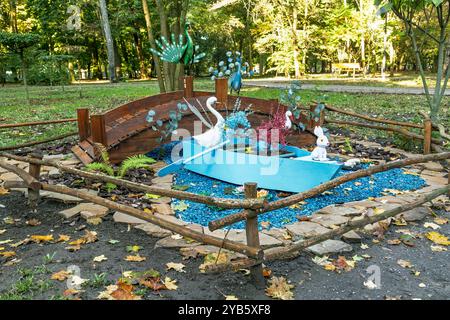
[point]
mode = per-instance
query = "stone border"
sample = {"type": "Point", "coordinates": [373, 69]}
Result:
{"type": "Point", "coordinates": [319, 222]}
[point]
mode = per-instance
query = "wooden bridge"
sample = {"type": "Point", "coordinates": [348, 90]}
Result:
{"type": "Point", "coordinates": [124, 130]}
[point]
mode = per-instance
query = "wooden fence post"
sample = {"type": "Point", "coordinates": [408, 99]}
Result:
{"type": "Point", "coordinates": [427, 130]}
{"type": "Point", "coordinates": [222, 90]}
{"type": "Point", "coordinates": [35, 172]}
{"type": "Point", "coordinates": [252, 233]}
{"type": "Point", "coordinates": [83, 123]}
{"type": "Point", "coordinates": [98, 129]}
{"type": "Point", "coordinates": [188, 86]}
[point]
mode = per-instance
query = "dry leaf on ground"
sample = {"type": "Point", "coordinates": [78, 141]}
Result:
{"type": "Point", "coordinates": [135, 258]}
{"type": "Point", "coordinates": [280, 289]}
{"type": "Point", "coordinates": [175, 266]}
{"type": "Point", "coordinates": [438, 238]}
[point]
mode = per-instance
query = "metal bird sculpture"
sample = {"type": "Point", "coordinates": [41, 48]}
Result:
{"type": "Point", "coordinates": [179, 52]}
{"type": "Point", "coordinates": [235, 80]}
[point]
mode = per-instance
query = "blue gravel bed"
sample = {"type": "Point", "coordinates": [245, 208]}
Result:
{"type": "Point", "coordinates": [355, 190]}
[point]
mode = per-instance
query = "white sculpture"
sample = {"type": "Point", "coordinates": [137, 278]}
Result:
{"type": "Point", "coordinates": [213, 136]}
{"type": "Point", "coordinates": [320, 152]}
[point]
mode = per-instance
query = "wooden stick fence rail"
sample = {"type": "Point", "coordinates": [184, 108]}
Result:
{"type": "Point", "coordinates": [219, 202]}
{"type": "Point", "coordinates": [288, 201]}
{"type": "Point", "coordinates": [34, 143]}
{"type": "Point", "coordinates": [37, 123]}
{"type": "Point", "coordinates": [280, 252]}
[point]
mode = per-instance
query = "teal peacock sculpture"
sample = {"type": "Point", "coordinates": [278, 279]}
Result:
{"type": "Point", "coordinates": [181, 51]}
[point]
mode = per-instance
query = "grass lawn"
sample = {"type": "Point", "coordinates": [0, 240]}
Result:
{"type": "Point", "coordinates": [54, 103]}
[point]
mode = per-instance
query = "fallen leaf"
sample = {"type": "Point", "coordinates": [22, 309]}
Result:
{"type": "Point", "coordinates": [71, 292]}
{"type": "Point", "coordinates": [280, 289]}
{"type": "Point", "coordinates": [3, 191]}
{"type": "Point", "coordinates": [231, 297]}
{"type": "Point", "coordinates": [133, 248]}
{"type": "Point", "coordinates": [2, 231]}
{"type": "Point", "coordinates": [341, 263]}
{"type": "Point", "coordinates": [100, 258]}
{"type": "Point", "coordinates": [394, 241]}
{"type": "Point", "coordinates": [321, 261]}
{"type": "Point", "coordinates": [5, 241]}
{"type": "Point", "coordinates": [404, 263]}
{"type": "Point", "coordinates": [124, 291]}
{"type": "Point", "coordinates": [170, 284]}
{"type": "Point", "coordinates": [411, 173]}
{"type": "Point", "coordinates": [63, 238]}
{"type": "Point", "coordinates": [175, 266]}
{"type": "Point", "coordinates": [399, 222]}
{"type": "Point", "coordinates": [107, 293]}
{"type": "Point", "coordinates": [94, 221]}
{"type": "Point", "coordinates": [437, 238]}
{"type": "Point", "coordinates": [422, 285]}
{"type": "Point", "coordinates": [438, 248]}
{"type": "Point", "coordinates": [265, 224]}
{"type": "Point", "coordinates": [431, 225]}
{"type": "Point", "coordinates": [213, 258]}
{"type": "Point", "coordinates": [378, 210]}
{"type": "Point", "coordinates": [438, 220]}
{"type": "Point", "coordinates": [329, 267]}
{"type": "Point", "coordinates": [90, 236]}
{"type": "Point", "coordinates": [7, 254]}
{"type": "Point", "coordinates": [267, 272]}
{"type": "Point", "coordinates": [364, 246]}
{"type": "Point", "coordinates": [135, 258]}
{"type": "Point", "coordinates": [61, 275]}
{"type": "Point", "coordinates": [40, 238]}
{"type": "Point", "coordinates": [112, 241]}
{"type": "Point", "coordinates": [152, 196]}
{"type": "Point", "coordinates": [176, 236]}
{"type": "Point", "coordinates": [180, 206]}
{"type": "Point", "coordinates": [33, 222]}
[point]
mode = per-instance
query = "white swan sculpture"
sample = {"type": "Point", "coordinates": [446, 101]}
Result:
{"type": "Point", "coordinates": [288, 123]}
{"type": "Point", "coordinates": [213, 136]}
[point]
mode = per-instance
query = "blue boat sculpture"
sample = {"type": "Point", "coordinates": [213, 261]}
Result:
{"type": "Point", "coordinates": [289, 169]}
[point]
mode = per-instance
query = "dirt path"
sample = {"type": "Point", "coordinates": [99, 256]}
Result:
{"type": "Point", "coordinates": [311, 280]}
{"type": "Point", "coordinates": [339, 88]}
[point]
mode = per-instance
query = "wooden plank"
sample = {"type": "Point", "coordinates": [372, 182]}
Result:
{"type": "Point", "coordinates": [83, 123]}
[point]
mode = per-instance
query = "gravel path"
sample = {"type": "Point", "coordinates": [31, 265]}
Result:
{"type": "Point", "coordinates": [340, 88]}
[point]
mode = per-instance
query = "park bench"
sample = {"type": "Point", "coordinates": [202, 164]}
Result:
{"type": "Point", "coordinates": [345, 67]}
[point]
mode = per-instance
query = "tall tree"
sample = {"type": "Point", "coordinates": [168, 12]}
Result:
{"type": "Point", "coordinates": [109, 41]}
{"type": "Point", "coordinates": [410, 12]}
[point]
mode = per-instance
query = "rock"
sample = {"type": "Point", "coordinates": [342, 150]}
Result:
{"type": "Point", "coordinates": [94, 211]}
{"type": "Point", "coordinates": [305, 229]}
{"type": "Point", "coordinates": [328, 220]}
{"type": "Point", "coordinates": [162, 208]}
{"type": "Point", "coordinates": [265, 240]}
{"type": "Point", "coordinates": [169, 242]}
{"type": "Point", "coordinates": [341, 210]}
{"type": "Point", "coordinates": [351, 236]}
{"type": "Point", "coordinates": [9, 176]}
{"type": "Point", "coordinates": [172, 219]}
{"type": "Point", "coordinates": [54, 173]}
{"type": "Point", "coordinates": [65, 198]}
{"type": "Point", "coordinates": [125, 218]}
{"type": "Point", "coordinates": [330, 247]}
{"type": "Point", "coordinates": [154, 230]}
{"type": "Point", "coordinates": [163, 180]}
{"type": "Point", "coordinates": [435, 180]}
{"type": "Point", "coordinates": [361, 204]}
{"type": "Point", "coordinates": [71, 212]}
{"type": "Point", "coordinates": [416, 214]}
{"type": "Point", "coordinates": [433, 166]}
{"type": "Point", "coordinates": [280, 234]}
{"type": "Point", "coordinates": [217, 233]}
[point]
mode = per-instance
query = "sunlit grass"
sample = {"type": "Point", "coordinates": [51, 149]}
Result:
{"type": "Point", "coordinates": [54, 103]}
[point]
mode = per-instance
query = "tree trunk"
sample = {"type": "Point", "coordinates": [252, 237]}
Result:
{"type": "Point", "coordinates": [109, 40]}
{"type": "Point", "coordinates": [151, 38]}
{"type": "Point", "coordinates": [294, 31]}
{"type": "Point", "coordinates": [165, 33]}
{"type": "Point", "coordinates": [138, 42]}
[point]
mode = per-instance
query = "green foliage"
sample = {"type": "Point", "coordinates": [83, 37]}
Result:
{"type": "Point", "coordinates": [17, 42]}
{"type": "Point", "coordinates": [134, 162]}
{"type": "Point", "coordinates": [100, 167]}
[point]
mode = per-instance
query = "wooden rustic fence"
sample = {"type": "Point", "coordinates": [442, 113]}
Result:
{"type": "Point", "coordinates": [252, 207]}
